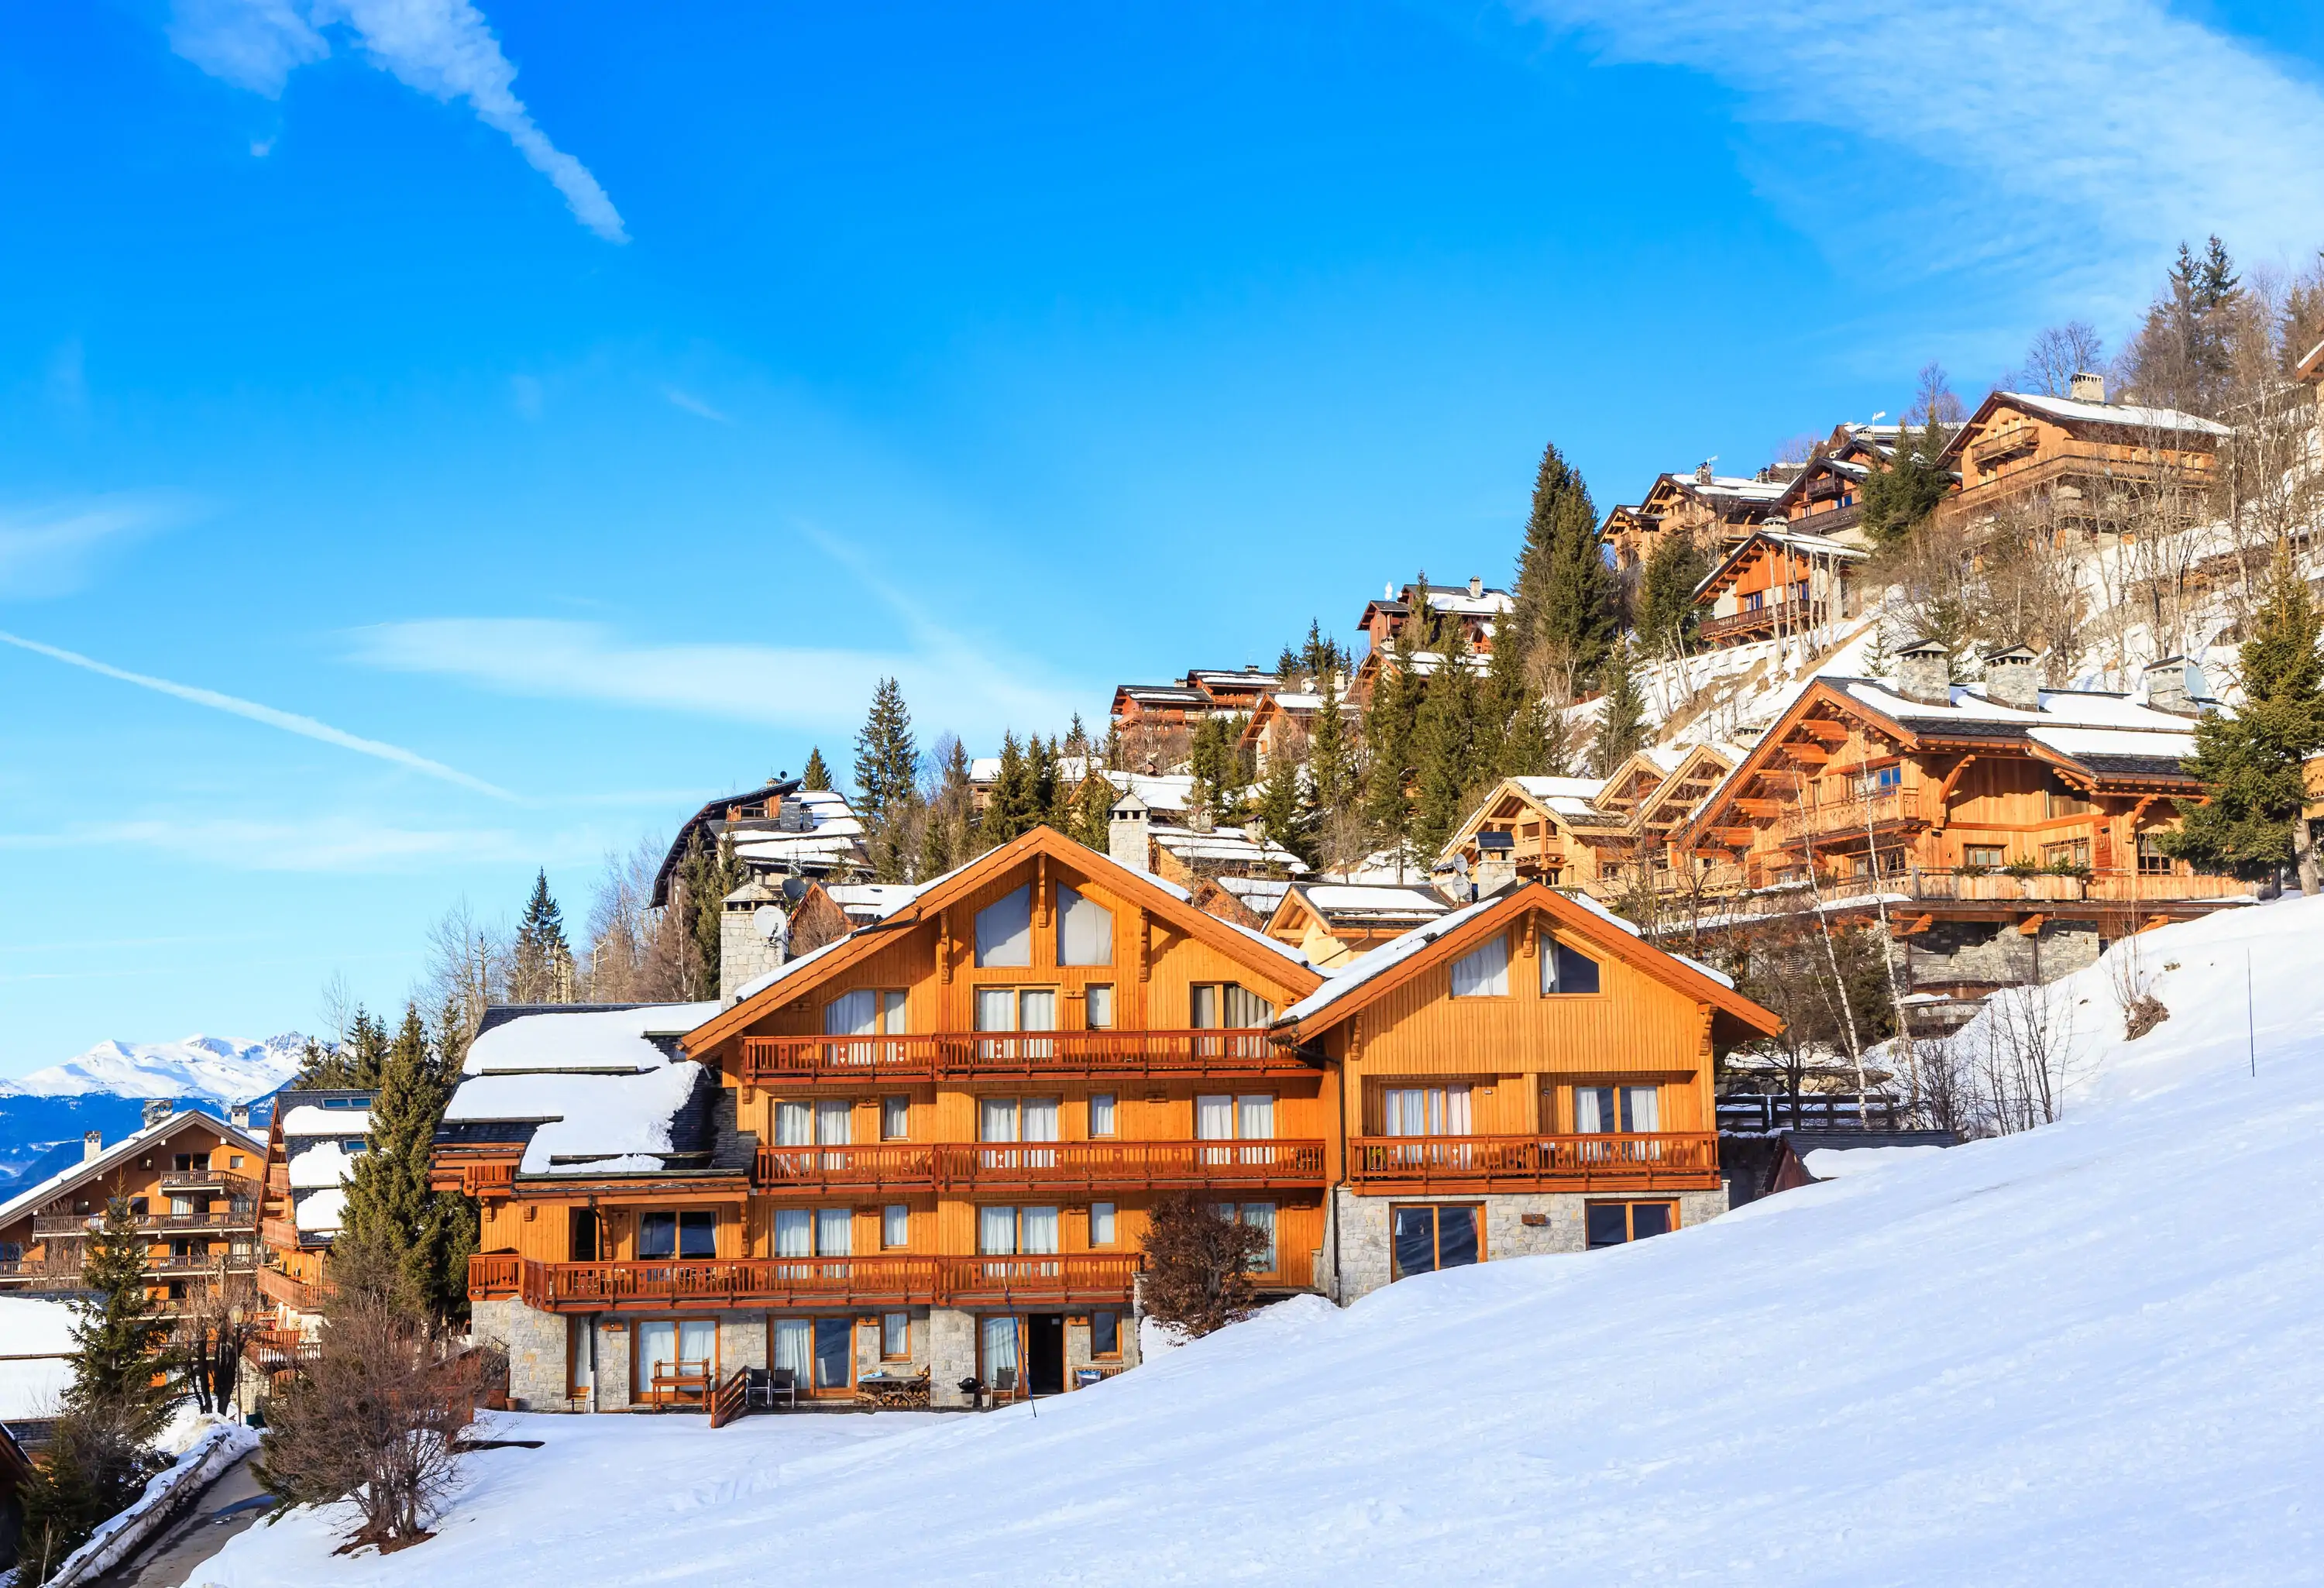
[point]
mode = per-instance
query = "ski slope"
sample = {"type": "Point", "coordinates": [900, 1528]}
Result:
{"type": "Point", "coordinates": [2090, 1353]}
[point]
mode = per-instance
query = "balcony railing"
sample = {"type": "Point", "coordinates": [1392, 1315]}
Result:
{"type": "Point", "coordinates": [59, 1225]}
{"type": "Point", "coordinates": [1794, 614]}
{"type": "Point", "coordinates": [1656, 1162]}
{"type": "Point", "coordinates": [1854, 813]}
{"type": "Point", "coordinates": [802, 1282]}
{"type": "Point", "coordinates": [1158, 1165]}
{"type": "Point", "coordinates": [295, 1294]}
{"type": "Point", "coordinates": [2124, 887]}
{"type": "Point", "coordinates": [818, 1169]}
{"type": "Point", "coordinates": [775, 1061]}
{"type": "Point", "coordinates": [206, 1180]}
{"type": "Point", "coordinates": [236, 1263]}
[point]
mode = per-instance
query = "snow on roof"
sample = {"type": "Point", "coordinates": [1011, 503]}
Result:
{"type": "Point", "coordinates": [323, 1212]}
{"type": "Point", "coordinates": [26, 1200]}
{"type": "Point", "coordinates": [600, 1123]}
{"type": "Point", "coordinates": [1836, 1163]}
{"type": "Point", "coordinates": [872, 901]}
{"type": "Point", "coordinates": [1738, 486]}
{"type": "Point", "coordinates": [2114, 414]}
{"type": "Point", "coordinates": [986, 769]}
{"type": "Point", "coordinates": [1388, 899]}
{"type": "Point", "coordinates": [1368, 966]}
{"type": "Point", "coordinates": [2081, 742]}
{"type": "Point", "coordinates": [1167, 791]}
{"type": "Point", "coordinates": [1259, 893]}
{"type": "Point", "coordinates": [2059, 708]}
{"type": "Point", "coordinates": [1458, 599]}
{"type": "Point", "coordinates": [1583, 788]}
{"type": "Point", "coordinates": [324, 1163]}
{"type": "Point", "coordinates": [307, 1120]}
{"type": "Point", "coordinates": [1226, 843]}
{"type": "Point", "coordinates": [616, 1041]}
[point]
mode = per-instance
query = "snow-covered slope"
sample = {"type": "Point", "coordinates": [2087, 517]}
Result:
{"type": "Point", "coordinates": [2088, 1354]}
{"type": "Point", "coordinates": [201, 1066]}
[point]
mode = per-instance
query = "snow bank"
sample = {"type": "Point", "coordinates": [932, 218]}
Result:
{"type": "Point", "coordinates": [41, 1330]}
{"type": "Point", "coordinates": [166, 1494]}
{"type": "Point", "coordinates": [2087, 1353]}
{"type": "Point", "coordinates": [1836, 1163]}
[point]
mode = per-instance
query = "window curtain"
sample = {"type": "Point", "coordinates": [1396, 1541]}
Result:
{"type": "Point", "coordinates": [794, 1348]}
{"type": "Point", "coordinates": [1563, 970]}
{"type": "Point", "coordinates": [1484, 972]}
{"type": "Point", "coordinates": [1100, 1113]}
{"type": "Point", "coordinates": [1000, 1351]}
{"type": "Point", "coordinates": [996, 1231]}
{"type": "Point", "coordinates": [697, 1341]}
{"type": "Point", "coordinates": [895, 1334]}
{"type": "Point", "coordinates": [1593, 1110]}
{"type": "Point", "coordinates": [891, 1013]}
{"type": "Point", "coordinates": [1261, 1216]}
{"type": "Point", "coordinates": [1213, 1119]}
{"type": "Point", "coordinates": [996, 1119]}
{"type": "Point", "coordinates": [794, 1231]}
{"type": "Point", "coordinates": [1202, 1008]}
{"type": "Point", "coordinates": [834, 1231]}
{"type": "Point", "coordinates": [1255, 1121]}
{"type": "Point", "coordinates": [1040, 1119]}
{"type": "Point", "coordinates": [851, 1015]}
{"type": "Point", "coordinates": [895, 1225]}
{"type": "Point", "coordinates": [833, 1122]}
{"type": "Point", "coordinates": [1097, 1009]}
{"type": "Point", "coordinates": [1039, 1231]}
{"type": "Point", "coordinates": [1004, 931]}
{"type": "Point", "coordinates": [1101, 1224]}
{"type": "Point", "coordinates": [1642, 1110]}
{"type": "Point", "coordinates": [1247, 1010]}
{"type": "Point", "coordinates": [1085, 929]}
{"type": "Point", "coordinates": [794, 1124]}
{"type": "Point", "coordinates": [996, 1009]}
{"type": "Point", "coordinates": [656, 1349]}
{"type": "Point", "coordinates": [1036, 1011]}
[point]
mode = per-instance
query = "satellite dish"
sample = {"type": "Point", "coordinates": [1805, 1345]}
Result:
{"type": "Point", "coordinates": [770, 923]}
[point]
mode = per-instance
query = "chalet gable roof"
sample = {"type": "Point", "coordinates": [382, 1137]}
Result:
{"type": "Point", "coordinates": [1277, 962]}
{"type": "Point", "coordinates": [1762, 541]}
{"type": "Point", "coordinates": [706, 822]}
{"type": "Point", "coordinates": [2311, 367]}
{"type": "Point", "coordinates": [1371, 976]}
{"type": "Point", "coordinates": [2081, 419]}
{"type": "Point", "coordinates": [153, 1136]}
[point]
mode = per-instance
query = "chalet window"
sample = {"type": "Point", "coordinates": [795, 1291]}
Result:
{"type": "Point", "coordinates": [895, 1336]}
{"type": "Point", "coordinates": [1249, 1117]}
{"type": "Point", "coordinates": [895, 1118]}
{"type": "Point", "coordinates": [180, 1206]}
{"type": "Point", "coordinates": [1426, 1111]}
{"type": "Point", "coordinates": [1223, 1005]}
{"type": "Point", "coordinates": [1016, 1008]}
{"type": "Point", "coordinates": [896, 1225]}
{"type": "Point", "coordinates": [1098, 1008]}
{"type": "Point", "coordinates": [815, 1232]}
{"type": "Point", "coordinates": [864, 1012]}
{"type": "Point", "coordinates": [823, 1122]}
{"type": "Point", "coordinates": [581, 1233]}
{"type": "Point", "coordinates": [1100, 1113]}
{"type": "Point", "coordinates": [2152, 860]}
{"type": "Point", "coordinates": [1101, 1224]}
{"type": "Point", "coordinates": [1605, 1110]}
{"type": "Point", "coordinates": [1423, 1239]}
{"type": "Point", "coordinates": [1257, 1215]}
{"type": "Point", "coordinates": [1004, 931]}
{"type": "Point", "coordinates": [234, 1161]}
{"type": "Point", "coordinates": [2075, 852]}
{"type": "Point", "coordinates": [1992, 856]}
{"type": "Point", "coordinates": [2060, 800]}
{"type": "Point", "coordinates": [1085, 929]}
{"type": "Point", "coordinates": [1006, 1231]}
{"type": "Point", "coordinates": [1013, 1118]}
{"type": "Point", "coordinates": [1484, 972]}
{"type": "Point", "coordinates": [1105, 1334]}
{"type": "Point", "coordinates": [1566, 971]}
{"type": "Point", "coordinates": [820, 1352]}
{"type": "Point", "coordinates": [1616, 1224]}
{"type": "Point", "coordinates": [997, 1338]}
{"type": "Point", "coordinates": [692, 1233]}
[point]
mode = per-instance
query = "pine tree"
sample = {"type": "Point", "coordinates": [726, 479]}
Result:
{"type": "Point", "coordinates": [888, 781]}
{"type": "Point", "coordinates": [1446, 747]}
{"type": "Point", "coordinates": [1088, 817]}
{"type": "Point", "coordinates": [1390, 721]}
{"type": "Point", "coordinates": [1050, 791]}
{"type": "Point", "coordinates": [389, 1199]}
{"type": "Point", "coordinates": [1901, 493]}
{"type": "Point", "coordinates": [117, 1334]}
{"type": "Point", "coordinates": [705, 875]}
{"type": "Point", "coordinates": [543, 972]}
{"type": "Point", "coordinates": [816, 776]}
{"type": "Point", "coordinates": [2250, 821]}
{"type": "Point", "coordinates": [1280, 811]}
{"type": "Point", "coordinates": [1667, 616]}
{"type": "Point", "coordinates": [1014, 807]}
{"type": "Point", "coordinates": [1622, 728]}
{"type": "Point", "coordinates": [1332, 786]}
{"type": "Point", "coordinates": [1565, 616]}
{"type": "Point", "coordinates": [947, 837]}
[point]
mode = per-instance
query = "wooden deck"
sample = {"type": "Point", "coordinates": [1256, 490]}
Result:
{"type": "Point", "coordinates": [1659, 1162]}
{"type": "Point", "coordinates": [804, 1282]}
{"type": "Point", "coordinates": [787, 1061]}
{"type": "Point", "coordinates": [1033, 1166]}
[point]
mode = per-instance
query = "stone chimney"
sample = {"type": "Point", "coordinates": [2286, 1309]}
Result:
{"type": "Point", "coordinates": [1702, 473]}
{"type": "Point", "coordinates": [158, 1109]}
{"type": "Point", "coordinates": [754, 936]}
{"type": "Point", "coordinates": [1924, 673]}
{"type": "Point", "coordinates": [1496, 865]}
{"type": "Point", "coordinates": [2012, 679]}
{"type": "Point", "coordinates": [2175, 685]}
{"type": "Point", "coordinates": [91, 1145]}
{"type": "Point", "coordinates": [2086, 387]}
{"type": "Point", "coordinates": [1476, 586]}
{"type": "Point", "coordinates": [238, 1116]}
{"type": "Point", "coordinates": [1128, 836]}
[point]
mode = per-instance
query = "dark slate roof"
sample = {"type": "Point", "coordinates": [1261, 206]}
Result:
{"type": "Point", "coordinates": [706, 821]}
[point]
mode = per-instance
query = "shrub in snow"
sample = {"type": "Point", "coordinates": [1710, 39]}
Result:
{"type": "Point", "coordinates": [1198, 1266]}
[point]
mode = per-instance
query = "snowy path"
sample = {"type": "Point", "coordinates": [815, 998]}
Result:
{"type": "Point", "coordinates": [231, 1505]}
{"type": "Point", "coordinates": [2090, 1353]}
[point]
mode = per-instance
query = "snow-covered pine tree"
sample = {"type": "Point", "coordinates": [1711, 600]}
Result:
{"type": "Point", "coordinates": [887, 783]}
{"type": "Point", "coordinates": [2250, 821]}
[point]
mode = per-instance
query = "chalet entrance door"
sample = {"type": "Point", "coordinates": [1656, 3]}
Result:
{"type": "Point", "coordinates": [1045, 1353]}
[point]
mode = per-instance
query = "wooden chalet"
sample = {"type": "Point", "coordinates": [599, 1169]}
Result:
{"type": "Point", "coordinates": [1474, 606]}
{"type": "Point", "coordinates": [1285, 719]}
{"type": "Point", "coordinates": [2007, 831]}
{"type": "Point", "coordinates": [1714, 510]}
{"type": "Point", "coordinates": [922, 1154]}
{"type": "Point", "coordinates": [2080, 460]}
{"type": "Point", "coordinates": [191, 1184]}
{"type": "Point", "coordinates": [707, 826]}
{"type": "Point", "coordinates": [1332, 923]}
{"type": "Point", "coordinates": [1826, 496]}
{"type": "Point", "coordinates": [1778, 584]}
{"type": "Point", "coordinates": [312, 1144]}
{"type": "Point", "coordinates": [1543, 829]}
{"type": "Point", "coordinates": [1522, 1075]}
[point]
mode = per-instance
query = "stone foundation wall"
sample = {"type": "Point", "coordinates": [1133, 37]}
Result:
{"type": "Point", "coordinates": [1998, 954]}
{"type": "Point", "coordinates": [1365, 1256]}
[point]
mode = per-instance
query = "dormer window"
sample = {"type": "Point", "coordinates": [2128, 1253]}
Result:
{"type": "Point", "coordinates": [1565, 971]}
{"type": "Point", "coordinates": [1085, 929]}
{"type": "Point", "coordinates": [1483, 972]}
{"type": "Point", "coordinates": [1004, 931]}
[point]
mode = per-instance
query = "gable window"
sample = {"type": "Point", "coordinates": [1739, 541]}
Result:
{"type": "Point", "coordinates": [1097, 1008]}
{"type": "Point", "coordinates": [1004, 931]}
{"type": "Point", "coordinates": [864, 1012]}
{"type": "Point", "coordinates": [1483, 972]}
{"type": "Point", "coordinates": [1423, 1239]}
{"type": "Point", "coordinates": [1616, 1224]}
{"type": "Point", "coordinates": [689, 1235]}
{"type": "Point", "coordinates": [1085, 929]}
{"type": "Point", "coordinates": [1606, 1111]}
{"type": "Point", "coordinates": [1566, 971]}
{"type": "Point", "coordinates": [1223, 1005]}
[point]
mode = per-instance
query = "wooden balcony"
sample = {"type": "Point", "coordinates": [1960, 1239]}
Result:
{"type": "Point", "coordinates": [2130, 890]}
{"type": "Point", "coordinates": [802, 1282]}
{"type": "Point", "coordinates": [212, 1262]}
{"type": "Point", "coordinates": [1067, 1166]}
{"type": "Point", "coordinates": [818, 1170]}
{"type": "Point", "coordinates": [49, 1225]}
{"type": "Point", "coordinates": [1658, 1162]}
{"type": "Point", "coordinates": [295, 1294]}
{"type": "Point", "coordinates": [216, 1180]}
{"type": "Point", "coordinates": [55, 1225]}
{"type": "Point", "coordinates": [1854, 814]}
{"type": "Point", "coordinates": [792, 1061]}
{"type": "Point", "coordinates": [276, 1351]}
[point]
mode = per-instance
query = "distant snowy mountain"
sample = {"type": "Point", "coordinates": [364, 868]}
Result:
{"type": "Point", "coordinates": [200, 1068]}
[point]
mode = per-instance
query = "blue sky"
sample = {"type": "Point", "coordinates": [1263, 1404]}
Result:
{"type": "Point", "coordinates": [503, 426]}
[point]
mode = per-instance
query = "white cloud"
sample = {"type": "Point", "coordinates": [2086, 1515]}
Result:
{"type": "Point", "coordinates": [2087, 139]}
{"type": "Point", "coordinates": [49, 550]}
{"type": "Point", "coordinates": [784, 686]}
{"type": "Point", "coordinates": [306, 727]}
{"type": "Point", "coordinates": [327, 843]}
{"type": "Point", "coordinates": [693, 404]}
{"type": "Point", "coordinates": [442, 48]}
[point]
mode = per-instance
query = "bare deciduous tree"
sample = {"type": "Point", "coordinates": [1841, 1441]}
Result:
{"type": "Point", "coordinates": [2056, 356]}
{"type": "Point", "coordinates": [1198, 1265]}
